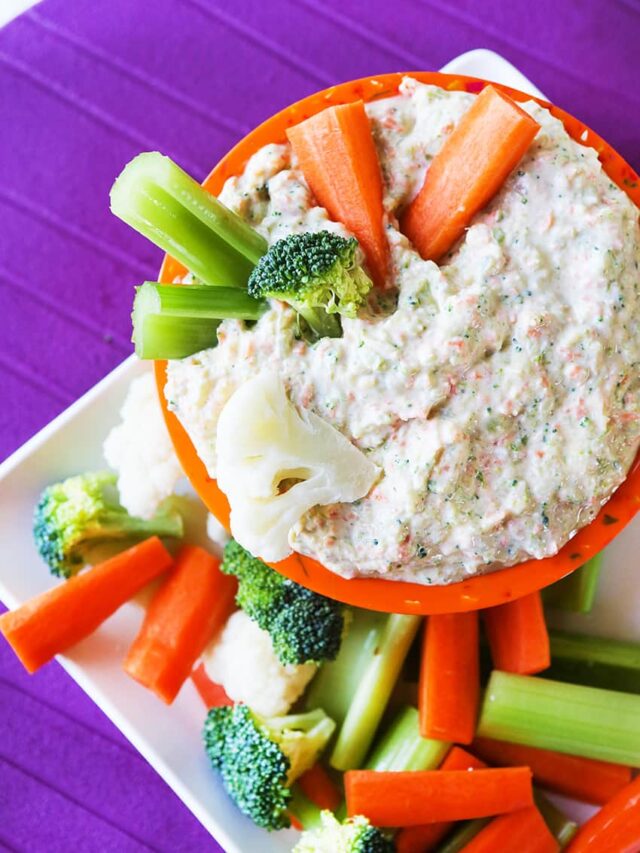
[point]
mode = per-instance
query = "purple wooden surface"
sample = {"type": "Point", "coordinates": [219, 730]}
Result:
{"type": "Point", "coordinates": [83, 87]}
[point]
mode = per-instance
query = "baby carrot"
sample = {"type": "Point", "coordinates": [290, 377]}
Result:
{"type": "Point", "coordinates": [449, 677]}
{"type": "Point", "coordinates": [187, 610]}
{"type": "Point", "coordinates": [616, 827]}
{"type": "Point", "coordinates": [416, 839]}
{"type": "Point", "coordinates": [319, 787]}
{"type": "Point", "coordinates": [475, 160]}
{"type": "Point", "coordinates": [584, 779]}
{"type": "Point", "coordinates": [213, 695]}
{"type": "Point", "coordinates": [524, 831]}
{"type": "Point", "coordinates": [517, 634]}
{"type": "Point", "coordinates": [59, 618]}
{"type": "Point", "coordinates": [338, 158]}
{"type": "Point", "coordinates": [432, 796]}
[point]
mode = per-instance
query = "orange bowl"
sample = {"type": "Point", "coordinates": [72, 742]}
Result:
{"type": "Point", "coordinates": [398, 596]}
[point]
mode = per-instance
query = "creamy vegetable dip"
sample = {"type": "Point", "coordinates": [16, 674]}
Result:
{"type": "Point", "coordinates": [500, 396]}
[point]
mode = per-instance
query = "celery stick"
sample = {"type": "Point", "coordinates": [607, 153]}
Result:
{"type": "Point", "coordinates": [335, 684]}
{"type": "Point", "coordinates": [173, 322]}
{"type": "Point", "coordinates": [560, 826]}
{"type": "Point", "coordinates": [159, 199]}
{"type": "Point", "coordinates": [577, 591]}
{"type": "Point", "coordinates": [595, 661]}
{"type": "Point", "coordinates": [461, 836]}
{"type": "Point", "coordinates": [217, 303]}
{"type": "Point", "coordinates": [301, 807]}
{"type": "Point", "coordinates": [161, 337]}
{"type": "Point", "coordinates": [568, 718]}
{"type": "Point", "coordinates": [373, 691]}
{"type": "Point", "coordinates": [401, 747]}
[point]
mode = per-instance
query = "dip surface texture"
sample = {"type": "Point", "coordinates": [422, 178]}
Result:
{"type": "Point", "coordinates": [500, 396]}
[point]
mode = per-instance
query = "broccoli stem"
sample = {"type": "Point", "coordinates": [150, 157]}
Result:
{"type": "Point", "coordinates": [335, 684]}
{"type": "Point", "coordinates": [594, 661]}
{"type": "Point", "coordinates": [158, 199]}
{"type": "Point", "coordinates": [568, 718]}
{"type": "Point", "coordinates": [174, 322]}
{"type": "Point", "coordinates": [119, 525]}
{"type": "Point", "coordinates": [324, 325]}
{"type": "Point", "coordinates": [402, 748]}
{"type": "Point", "coordinates": [373, 691]}
{"type": "Point", "coordinates": [577, 591]}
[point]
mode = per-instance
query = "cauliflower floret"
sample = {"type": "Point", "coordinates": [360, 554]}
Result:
{"type": "Point", "coordinates": [275, 463]}
{"type": "Point", "coordinates": [140, 450]}
{"type": "Point", "coordinates": [216, 532]}
{"type": "Point", "coordinates": [242, 660]}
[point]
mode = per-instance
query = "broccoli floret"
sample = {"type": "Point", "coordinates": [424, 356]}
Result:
{"type": "Point", "coordinates": [303, 625]}
{"type": "Point", "coordinates": [74, 516]}
{"type": "Point", "coordinates": [318, 274]}
{"type": "Point", "coordinates": [259, 759]}
{"type": "Point", "coordinates": [355, 835]}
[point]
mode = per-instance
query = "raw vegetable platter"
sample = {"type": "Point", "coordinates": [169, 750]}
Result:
{"type": "Point", "coordinates": [170, 738]}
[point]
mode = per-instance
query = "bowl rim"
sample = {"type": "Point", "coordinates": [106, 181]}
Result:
{"type": "Point", "coordinates": [393, 596]}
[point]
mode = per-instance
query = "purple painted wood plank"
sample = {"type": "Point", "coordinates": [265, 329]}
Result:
{"type": "Point", "coordinates": [35, 817]}
{"type": "Point", "coordinates": [63, 762]}
{"type": "Point", "coordinates": [85, 86]}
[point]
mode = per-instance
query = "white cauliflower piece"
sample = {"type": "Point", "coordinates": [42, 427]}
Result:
{"type": "Point", "coordinates": [242, 660]}
{"type": "Point", "coordinates": [275, 464]}
{"type": "Point", "coordinates": [216, 532]}
{"type": "Point", "coordinates": [139, 449]}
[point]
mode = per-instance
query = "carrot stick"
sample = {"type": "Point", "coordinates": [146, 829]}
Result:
{"type": "Point", "coordinates": [459, 759]}
{"type": "Point", "coordinates": [524, 831]}
{"type": "Point", "coordinates": [213, 695]}
{"type": "Point", "coordinates": [433, 796]}
{"type": "Point", "coordinates": [295, 823]}
{"type": "Point", "coordinates": [584, 779]}
{"type": "Point", "coordinates": [615, 828]}
{"type": "Point", "coordinates": [338, 158]}
{"type": "Point", "coordinates": [190, 606]}
{"type": "Point", "coordinates": [59, 618]}
{"type": "Point", "coordinates": [517, 634]}
{"type": "Point", "coordinates": [449, 677]}
{"type": "Point", "coordinates": [319, 787]}
{"type": "Point", "coordinates": [487, 144]}
{"type": "Point", "coordinates": [416, 839]}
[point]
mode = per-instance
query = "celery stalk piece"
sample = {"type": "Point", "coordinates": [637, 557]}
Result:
{"type": "Point", "coordinates": [577, 591]}
{"type": "Point", "coordinates": [373, 691]}
{"type": "Point", "coordinates": [161, 337]}
{"type": "Point", "coordinates": [463, 834]}
{"type": "Point", "coordinates": [300, 806]}
{"type": "Point", "coordinates": [402, 747]}
{"type": "Point", "coordinates": [173, 322]}
{"type": "Point", "coordinates": [157, 198]}
{"type": "Point", "coordinates": [334, 686]}
{"type": "Point", "coordinates": [216, 303]}
{"type": "Point", "coordinates": [595, 661]}
{"type": "Point", "coordinates": [560, 826]}
{"type": "Point", "coordinates": [568, 718]}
